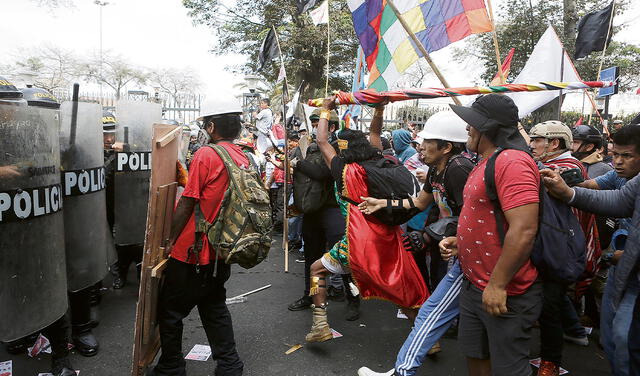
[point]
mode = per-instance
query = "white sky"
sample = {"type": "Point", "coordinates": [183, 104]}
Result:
{"type": "Point", "coordinates": [158, 33]}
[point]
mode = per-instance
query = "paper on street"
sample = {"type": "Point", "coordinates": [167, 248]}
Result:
{"type": "Point", "coordinates": [200, 353]}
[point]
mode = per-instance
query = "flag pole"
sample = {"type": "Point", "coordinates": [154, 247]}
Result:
{"type": "Point", "coordinates": [326, 85]}
{"type": "Point", "coordinates": [418, 44]}
{"type": "Point", "coordinates": [503, 79]}
{"type": "Point", "coordinates": [285, 220]}
{"type": "Point", "coordinates": [604, 51]}
{"type": "Point", "coordinates": [561, 79]}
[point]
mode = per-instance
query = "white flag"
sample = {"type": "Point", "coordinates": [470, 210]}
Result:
{"type": "Point", "coordinates": [320, 15]}
{"type": "Point", "coordinates": [282, 74]}
{"type": "Point", "coordinates": [544, 64]}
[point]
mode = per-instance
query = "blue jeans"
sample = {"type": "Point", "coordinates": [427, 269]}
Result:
{"type": "Point", "coordinates": [295, 228]}
{"type": "Point", "coordinates": [615, 323]}
{"type": "Point", "coordinates": [433, 320]}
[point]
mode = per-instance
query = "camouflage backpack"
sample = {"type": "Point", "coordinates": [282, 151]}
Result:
{"type": "Point", "coordinates": [241, 231]}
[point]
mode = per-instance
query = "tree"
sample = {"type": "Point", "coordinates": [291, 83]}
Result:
{"type": "Point", "coordinates": [175, 82]}
{"type": "Point", "coordinates": [521, 24]}
{"type": "Point", "coordinates": [243, 27]}
{"type": "Point", "coordinates": [116, 72]}
{"type": "Point", "coordinates": [53, 67]}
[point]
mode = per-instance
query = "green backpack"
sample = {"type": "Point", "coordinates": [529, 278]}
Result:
{"type": "Point", "coordinates": [241, 231]}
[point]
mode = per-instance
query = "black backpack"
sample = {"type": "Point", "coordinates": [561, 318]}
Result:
{"type": "Point", "coordinates": [560, 246]}
{"type": "Point", "coordinates": [310, 195]}
{"type": "Point", "coordinates": [388, 179]}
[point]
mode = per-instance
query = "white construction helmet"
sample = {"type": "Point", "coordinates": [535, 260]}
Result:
{"type": "Point", "coordinates": [551, 129]}
{"type": "Point", "coordinates": [444, 125]}
{"type": "Point", "coordinates": [228, 105]}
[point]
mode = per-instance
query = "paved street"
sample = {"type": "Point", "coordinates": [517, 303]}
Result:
{"type": "Point", "coordinates": [265, 329]}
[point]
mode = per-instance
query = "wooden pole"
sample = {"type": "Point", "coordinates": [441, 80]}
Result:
{"type": "Point", "coordinates": [503, 79]}
{"type": "Point", "coordinates": [418, 44]}
{"type": "Point", "coordinates": [561, 79]}
{"type": "Point", "coordinates": [326, 85]}
{"type": "Point", "coordinates": [285, 222]}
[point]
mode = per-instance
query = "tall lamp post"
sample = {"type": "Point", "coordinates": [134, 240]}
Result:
{"type": "Point", "coordinates": [250, 99]}
{"type": "Point", "coordinates": [101, 4]}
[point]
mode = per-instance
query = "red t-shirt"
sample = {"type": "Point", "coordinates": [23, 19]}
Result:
{"type": "Point", "coordinates": [208, 181]}
{"type": "Point", "coordinates": [518, 184]}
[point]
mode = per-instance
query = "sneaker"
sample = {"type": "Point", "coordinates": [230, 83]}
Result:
{"type": "Point", "coordinates": [364, 371]}
{"type": "Point", "coordinates": [301, 304]}
{"type": "Point", "coordinates": [580, 341]}
{"type": "Point", "coordinates": [548, 368]}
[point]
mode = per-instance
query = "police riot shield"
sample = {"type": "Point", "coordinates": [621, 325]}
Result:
{"type": "Point", "coordinates": [87, 234]}
{"type": "Point", "coordinates": [33, 280]}
{"type": "Point", "coordinates": [133, 169]}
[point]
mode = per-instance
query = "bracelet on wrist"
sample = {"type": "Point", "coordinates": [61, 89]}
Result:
{"type": "Point", "coordinates": [325, 114]}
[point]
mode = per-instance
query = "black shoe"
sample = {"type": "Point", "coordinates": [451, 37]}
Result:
{"type": "Point", "coordinates": [62, 367]}
{"type": "Point", "coordinates": [86, 343]}
{"type": "Point", "coordinates": [119, 282]}
{"type": "Point", "coordinates": [353, 309]}
{"type": "Point", "coordinates": [301, 304]}
{"type": "Point", "coordinates": [337, 295]}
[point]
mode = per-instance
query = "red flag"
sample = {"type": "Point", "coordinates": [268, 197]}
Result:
{"type": "Point", "coordinates": [506, 67]}
{"type": "Point", "coordinates": [579, 122]}
{"type": "Point", "coordinates": [638, 91]}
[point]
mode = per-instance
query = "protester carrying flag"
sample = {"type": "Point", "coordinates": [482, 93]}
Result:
{"type": "Point", "coordinates": [372, 251]}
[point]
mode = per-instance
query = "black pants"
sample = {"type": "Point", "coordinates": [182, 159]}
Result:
{"type": "Point", "coordinates": [320, 231]}
{"type": "Point", "coordinates": [182, 290]}
{"type": "Point", "coordinates": [277, 204]}
{"type": "Point", "coordinates": [634, 341]}
{"type": "Point", "coordinates": [128, 254]}
{"type": "Point", "coordinates": [551, 320]}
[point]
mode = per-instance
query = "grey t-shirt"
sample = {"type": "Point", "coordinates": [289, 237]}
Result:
{"type": "Point", "coordinates": [597, 169]}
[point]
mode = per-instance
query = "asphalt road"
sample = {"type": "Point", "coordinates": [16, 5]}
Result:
{"type": "Point", "coordinates": [265, 329]}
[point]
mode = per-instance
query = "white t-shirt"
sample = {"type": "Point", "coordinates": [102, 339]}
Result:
{"type": "Point", "coordinates": [264, 121]}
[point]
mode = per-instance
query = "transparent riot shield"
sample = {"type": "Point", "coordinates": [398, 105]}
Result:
{"type": "Point", "coordinates": [33, 280]}
{"type": "Point", "coordinates": [133, 169]}
{"type": "Point", "coordinates": [87, 234]}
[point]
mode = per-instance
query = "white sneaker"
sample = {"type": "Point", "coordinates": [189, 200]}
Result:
{"type": "Point", "coordinates": [580, 341]}
{"type": "Point", "coordinates": [364, 371]}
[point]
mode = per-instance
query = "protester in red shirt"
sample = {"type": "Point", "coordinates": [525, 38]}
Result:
{"type": "Point", "coordinates": [501, 297]}
{"type": "Point", "coordinates": [190, 280]}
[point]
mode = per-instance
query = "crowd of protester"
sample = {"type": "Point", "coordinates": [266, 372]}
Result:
{"type": "Point", "coordinates": [459, 253]}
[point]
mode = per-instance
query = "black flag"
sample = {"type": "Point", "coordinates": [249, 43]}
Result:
{"type": "Point", "coordinates": [592, 32]}
{"type": "Point", "coordinates": [305, 5]}
{"type": "Point", "coordinates": [268, 50]}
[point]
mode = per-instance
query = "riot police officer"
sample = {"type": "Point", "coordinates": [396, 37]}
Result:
{"type": "Point", "coordinates": [32, 266]}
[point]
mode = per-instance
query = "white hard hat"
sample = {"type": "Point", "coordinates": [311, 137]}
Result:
{"type": "Point", "coordinates": [444, 125]}
{"type": "Point", "coordinates": [228, 105]}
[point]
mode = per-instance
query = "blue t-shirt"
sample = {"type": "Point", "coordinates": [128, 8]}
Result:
{"type": "Point", "coordinates": [609, 182]}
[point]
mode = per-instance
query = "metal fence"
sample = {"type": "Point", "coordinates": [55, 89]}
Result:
{"type": "Point", "coordinates": [185, 108]}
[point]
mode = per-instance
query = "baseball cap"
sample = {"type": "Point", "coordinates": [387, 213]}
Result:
{"type": "Point", "coordinates": [488, 110]}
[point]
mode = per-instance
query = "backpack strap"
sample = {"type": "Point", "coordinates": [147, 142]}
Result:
{"type": "Point", "coordinates": [492, 192]}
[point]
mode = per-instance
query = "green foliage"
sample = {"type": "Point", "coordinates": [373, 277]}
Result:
{"type": "Point", "coordinates": [242, 28]}
{"type": "Point", "coordinates": [521, 23]}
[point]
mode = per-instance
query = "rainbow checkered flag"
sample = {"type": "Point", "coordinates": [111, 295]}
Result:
{"type": "Point", "coordinates": [387, 47]}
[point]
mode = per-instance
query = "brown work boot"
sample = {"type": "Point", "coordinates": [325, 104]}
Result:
{"type": "Point", "coordinates": [320, 330]}
{"type": "Point", "coordinates": [548, 368]}
{"type": "Point", "coordinates": [434, 350]}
